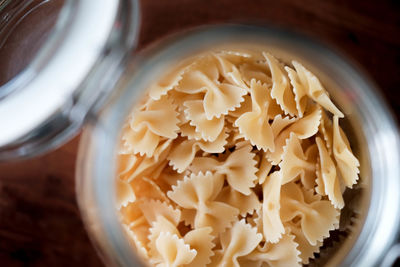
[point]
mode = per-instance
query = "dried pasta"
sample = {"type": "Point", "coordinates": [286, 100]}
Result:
{"type": "Point", "coordinates": [233, 158]}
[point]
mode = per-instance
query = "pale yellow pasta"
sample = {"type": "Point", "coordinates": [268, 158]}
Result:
{"type": "Point", "coordinates": [238, 168]}
{"type": "Point", "coordinates": [294, 163]}
{"type": "Point", "coordinates": [329, 179]}
{"type": "Point", "coordinates": [326, 130]}
{"type": "Point", "coordinates": [282, 254]}
{"type": "Point", "coordinates": [254, 125]}
{"type": "Point", "coordinates": [172, 251]}
{"type": "Point", "coordinates": [264, 167]}
{"type": "Point", "coordinates": [271, 221]}
{"type": "Point", "coordinates": [198, 193]}
{"type": "Point", "coordinates": [307, 250]}
{"type": "Point", "coordinates": [167, 83]}
{"type": "Point", "coordinates": [238, 241]}
{"type": "Point", "coordinates": [201, 240]}
{"type": "Point", "coordinates": [300, 95]}
{"type": "Point", "coordinates": [124, 193]}
{"type": "Point", "coordinates": [230, 72]}
{"type": "Point", "coordinates": [231, 159]}
{"type": "Point", "coordinates": [161, 225]}
{"type": "Point", "coordinates": [147, 127]}
{"type": "Point", "coordinates": [245, 204]}
{"type": "Point", "coordinates": [256, 71]}
{"type": "Point", "coordinates": [317, 217]}
{"type": "Point", "coordinates": [315, 90]}
{"type": "Point", "coordinates": [208, 129]}
{"type": "Point", "coordinates": [219, 98]}
{"type": "Point", "coordinates": [304, 128]}
{"type": "Point", "coordinates": [144, 187]}
{"type": "Point", "coordinates": [281, 90]}
{"type": "Point", "coordinates": [346, 162]}
{"type": "Point", "coordinates": [153, 209]}
{"type": "Point", "coordinates": [139, 166]}
{"type": "Point", "coordinates": [184, 152]}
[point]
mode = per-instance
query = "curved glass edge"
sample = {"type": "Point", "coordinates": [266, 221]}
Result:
{"type": "Point", "coordinates": [33, 69]}
{"type": "Point", "coordinates": [65, 122]}
{"type": "Point", "coordinates": [381, 223]}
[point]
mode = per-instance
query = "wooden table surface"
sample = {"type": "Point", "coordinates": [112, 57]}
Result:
{"type": "Point", "coordinates": [40, 223]}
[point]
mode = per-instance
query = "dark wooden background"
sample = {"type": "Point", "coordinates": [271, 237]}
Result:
{"type": "Point", "coordinates": [39, 219]}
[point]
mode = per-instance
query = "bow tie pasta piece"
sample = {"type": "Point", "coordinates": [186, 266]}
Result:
{"type": "Point", "coordinates": [307, 250]}
{"type": "Point", "coordinates": [300, 95]}
{"type": "Point", "coordinates": [145, 140]}
{"type": "Point", "coordinates": [186, 127]}
{"type": "Point", "coordinates": [234, 137]}
{"type": "Point", "coordinates": [161, 225]}
{"type": "Point", "coordinates": [219, 98]}
{"type": "Point", "coordinates": [137, 166]}
{"type": "Point", "coordinates": [245, 204]}
{"type": "Point", "coordinates": [132, 215]}
{"type": "Point", "coordinates": [326, 129]}
{"type": "Point", "coordinates": [294, 163]}
{"type": "Point", "coordinates": [204, 164]}
{"type": "Point", "coordinates": [230, 72]}
{"type": "Point", "coordinates": [317, 217]}
{"type": "Point", "coordinates": [124, 193]}
{"type": "Point", "coordinates": [190, 132]}
{"type": "Point", "coordinates": [126, 162]}
{"type": "Point", "coordinates": [153, 209]}
{"type": "Point", "coordinates": [257, 71]}
{"type": "Point", "coordinates": [148, 127]}
{"type": "Point", "coordinates": [264, 167]}
{"type": "Point", "coordinates": [197, 193]}
{"type": "Point", "coordinates": [184, 151]}
{"type": "Point", "coordinates": [244, 107]}
{"type": "Point", "coordinates": [304, 128]}
{"type": "Point", "coordinates": [144, 187]}
{"type": "Point", "coordinates": [347, 163]}
{"type": "Point", "coordinates": [209, 129]}
{"type": "Point", "coordinates": [328, 178]}
{"type": "Point", "coordinates": [173, 251]}
{"type": "Point", "coordinates": [279, 123]}
{"type": "Point", "coordinates": [282, 254]}
{"type": "Point", "coordinates": [169, 177]}
{"type": "Point", "coordinates": [315, 90]}
{"type": "Point", "coordinates": [254, 125]}
{"type": "Point", "coordinates": [169, 81]}
{"type": "Point", "coordinates": [236, 242]}
{"type": "Point", "coordinates": [160, 117]}
{"type": "Point", "coordinates": [281, 90]}
{"type": "Point", "coordinates": [178, 98]}
{"type": "Point", "coordinates": [238, 168]}
{"type": "Point", "coordinates": [200, 240]}
{"type": "Point", "coordinates": [271, 221]}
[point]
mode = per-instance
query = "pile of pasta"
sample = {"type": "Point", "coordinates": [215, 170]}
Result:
{"type": "Point", "coordinates": [233, 159]}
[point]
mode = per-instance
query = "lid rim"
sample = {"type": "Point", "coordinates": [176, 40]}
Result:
{"type": "Point", "coordinates": [61, 81]}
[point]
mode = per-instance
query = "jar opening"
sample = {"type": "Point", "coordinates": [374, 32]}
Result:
{"type": "Point", "coordinates": [24, 28]}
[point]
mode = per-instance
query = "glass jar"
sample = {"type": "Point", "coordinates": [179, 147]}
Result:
{"type": "Point", "coordinates": [81, 75]}
{"type": "Point", "coordinates": [47, 96]}
{"type": "Point", "coordinates": [372, 217]}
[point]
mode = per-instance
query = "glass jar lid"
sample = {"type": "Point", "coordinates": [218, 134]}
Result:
{"type": "Point", "coordinates": [71, 75]}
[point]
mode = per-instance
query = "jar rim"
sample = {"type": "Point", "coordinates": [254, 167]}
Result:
{"type": "Point", "coordinates": [379, 128]}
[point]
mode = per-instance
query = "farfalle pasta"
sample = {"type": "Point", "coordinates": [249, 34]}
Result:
{"type": "Point", "coordinates": [233, 158]}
